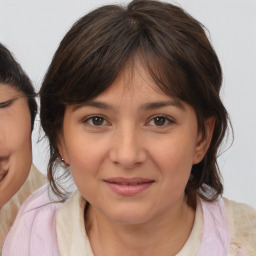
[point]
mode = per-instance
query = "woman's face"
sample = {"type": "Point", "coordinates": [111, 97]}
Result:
{"type": "Point", "coordinates": [131, 149]}
{"type": "Point", "coordinates": [15, 141]}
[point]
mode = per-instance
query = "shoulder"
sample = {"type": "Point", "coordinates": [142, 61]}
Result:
{"type": "Point", "coordinates": [9, 211]}
{"type": "Point", "coordinates": [242, 225]}
{"type": "Point", "coordinates": [37, 201]}
{"type": "Point", "coordinates": [239, 208]}
{"type": "Point", "coordinates": [36, 179]}
{"type": "Point", "coordinates": [36, 216]}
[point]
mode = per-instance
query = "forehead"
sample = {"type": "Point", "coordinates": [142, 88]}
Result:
{"type": "Point", "coordinates": [8, 91]}
{"type": "Point", "coordinates": [132, 80]}
{"type": "Point", "coordinates": [133, 88]}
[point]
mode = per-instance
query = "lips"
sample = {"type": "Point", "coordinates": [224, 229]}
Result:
{"type": "Point", "coordinates": [128, 186]}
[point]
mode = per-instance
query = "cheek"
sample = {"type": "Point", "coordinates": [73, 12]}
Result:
{"type": "Point", "coordinates": [21, 137]}
{"type": "Point", "coordinates": [174, 151]}
{"type": "Point", "coordinates": [15, 134]}
{"type": "Point", "coordinates": [20, 126]}
{"type": "Point", "coordinates": [21, 142]}
{"type": "Point", "coordinates": [17, 145]}
{"type": "Point", "coordinates": [174, 158]}
{"type": "Point", "coordinates": [85, 155]}
{"type": "Point", "coordinates": [85, 163]}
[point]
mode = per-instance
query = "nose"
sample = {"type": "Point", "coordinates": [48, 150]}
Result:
{"type": "Point", "coordinates": [127, 149]}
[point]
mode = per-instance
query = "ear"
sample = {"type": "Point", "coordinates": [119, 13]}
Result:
{"type": "Point", "coordinates": [203, 143]}
{"type": "Point", "coordinates": [62, 148]}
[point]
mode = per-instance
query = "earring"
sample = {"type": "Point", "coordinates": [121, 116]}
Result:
{"type": "Point", "coordinates": [64, 164]}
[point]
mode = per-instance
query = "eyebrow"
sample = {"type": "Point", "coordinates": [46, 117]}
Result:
{"type": "Point", "coordinates": [145, 107]}
{"type": "Point", "coordinates": [9, 100]}
{"type": "Point", "coordinates": [95, 104]}
{"type": "Point", "coordinates": [161, 104]}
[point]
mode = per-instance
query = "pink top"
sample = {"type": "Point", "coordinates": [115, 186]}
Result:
{"type": "Point", "coordinates": [215, 237]}
{"type": "Point", "coordinates": [34, 231]}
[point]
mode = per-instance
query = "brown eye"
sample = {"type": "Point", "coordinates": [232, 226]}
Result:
{"type": "Point", "coordinates": [96, 121]}
{"type": "Point", "coordinates": [159, 121]}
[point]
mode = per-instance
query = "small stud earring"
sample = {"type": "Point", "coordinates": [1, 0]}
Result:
{"type": "Point", "coordinates": [64, 164]}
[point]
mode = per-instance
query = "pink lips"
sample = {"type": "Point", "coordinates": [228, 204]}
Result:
{"type": "Point", "coordinates": [128, 187]}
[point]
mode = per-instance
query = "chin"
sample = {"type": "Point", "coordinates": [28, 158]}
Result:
{"type": "Point", "coordinates": [129, 216]}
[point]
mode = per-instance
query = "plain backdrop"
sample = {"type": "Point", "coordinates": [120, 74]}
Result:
{"type": "Point", "coordinates": [32, 30]}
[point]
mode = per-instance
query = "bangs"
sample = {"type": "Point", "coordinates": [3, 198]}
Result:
{"type": "Point", "coordinates": [97, 48]}
{"type": "Point", "coordinates": [168, 76]}
{"type": "Point", "coordinates": [96, 73]}
{"type": "Point", "coordinates": [173, 81]}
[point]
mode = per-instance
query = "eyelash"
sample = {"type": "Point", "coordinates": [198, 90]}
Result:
{"type": "Point", "coordinates": [167, 121]}
{"type": "Point", "coordinates": [5, 104]}
{"type": "Point", "coordinates": [89, 120]}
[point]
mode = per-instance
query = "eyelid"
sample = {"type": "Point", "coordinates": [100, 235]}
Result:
{"type": "Point", "coordinates": [167, 118]}
{"type": "Point", "coordinates": [86, 119]}
{"type": "Point", "coordinates": [6, 103]}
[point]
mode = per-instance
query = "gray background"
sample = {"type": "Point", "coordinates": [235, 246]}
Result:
{"type": "Point", "coordinates": [32, 30]}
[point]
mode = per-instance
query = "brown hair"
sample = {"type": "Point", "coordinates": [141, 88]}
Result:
{"type": "Point", "coordinates": [176, 53]}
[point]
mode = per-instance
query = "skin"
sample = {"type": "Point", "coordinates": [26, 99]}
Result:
{"type": "Point", "coordinates": [131, 137]}
{"type": "Point", "coordinates": [15, 141]}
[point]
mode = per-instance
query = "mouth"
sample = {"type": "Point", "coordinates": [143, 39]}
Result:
{"type": "Point", "coordinates": [128, 186]}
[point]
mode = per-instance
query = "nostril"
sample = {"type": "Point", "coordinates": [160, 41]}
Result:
{"type": "Point", "coordinates": [127, 159]}
{"type": "Point", "coordinates": [126, 148]}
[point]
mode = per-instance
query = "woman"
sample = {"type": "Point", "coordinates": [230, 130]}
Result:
{"type": "Point", "coordinates": [130, 104]}
{"type": "Point", "coordinates": [18, 109]}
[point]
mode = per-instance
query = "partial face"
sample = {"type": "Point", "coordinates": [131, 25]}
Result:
{"type": "Point", "coordinates": [15, 141]}
{"type": "Point", "coordinates": [131, 149]}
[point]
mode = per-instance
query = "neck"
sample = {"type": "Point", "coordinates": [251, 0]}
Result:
{"type": "Point", "coordinates": [162, 236]}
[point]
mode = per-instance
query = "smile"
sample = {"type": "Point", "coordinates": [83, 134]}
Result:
{"type": "Point", "coordinates": [128, 187]}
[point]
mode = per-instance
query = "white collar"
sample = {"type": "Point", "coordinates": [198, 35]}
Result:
{"type": "Point", "coordinates": [73, 240]}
